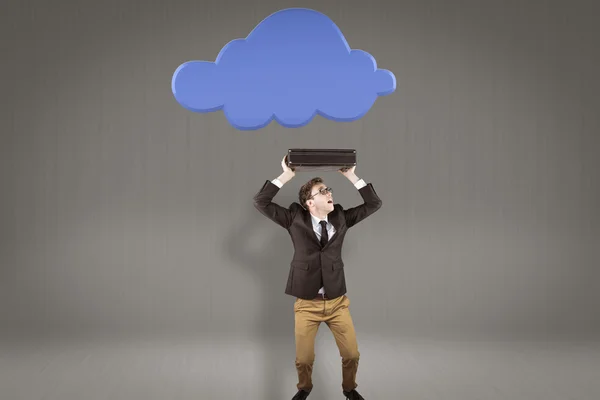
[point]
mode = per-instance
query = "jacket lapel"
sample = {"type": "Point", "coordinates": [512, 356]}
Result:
{"type": "Point", "coordinates": [309, 226]}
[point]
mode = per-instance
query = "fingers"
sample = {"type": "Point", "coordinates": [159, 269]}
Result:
{"type": "Point", "coordinates": [285, 166]}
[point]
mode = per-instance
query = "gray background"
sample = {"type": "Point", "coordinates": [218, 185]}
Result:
{"type": "Point", "coordinates": [124, 215]}
{"type": "Point", "coordinates": [122, 212]}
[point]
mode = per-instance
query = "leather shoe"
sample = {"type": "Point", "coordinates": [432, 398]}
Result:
{"type": "Point", "coordinates": [301, 395]}
{"type": "Point", "coordinates": [353, 395]}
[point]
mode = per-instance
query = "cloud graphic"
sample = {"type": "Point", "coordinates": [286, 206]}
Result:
{"type": "Point", "coordinates": [293, 65]}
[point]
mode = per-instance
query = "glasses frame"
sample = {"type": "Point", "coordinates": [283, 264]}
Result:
{"type": "Point", "coordinates": [322, 191]}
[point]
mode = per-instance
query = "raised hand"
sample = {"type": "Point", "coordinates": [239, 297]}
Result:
{"type": "Point", "coordinates": [347, 172]}
{"type": "Point", "coordinates": [287, 170]}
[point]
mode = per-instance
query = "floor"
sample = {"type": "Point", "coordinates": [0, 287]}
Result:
{"type": "Point", "coordinates": [233, 368]}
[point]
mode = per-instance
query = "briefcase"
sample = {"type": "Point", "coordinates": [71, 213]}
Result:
{"type": "Point", "coordinates": [320, 159]}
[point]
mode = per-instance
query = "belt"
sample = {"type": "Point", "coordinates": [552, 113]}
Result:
{"type": "Point", "coordinates": [321, 296]}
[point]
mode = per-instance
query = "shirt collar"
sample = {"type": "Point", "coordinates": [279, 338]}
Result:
{"type": "Point", "coordinates": [317, 220]}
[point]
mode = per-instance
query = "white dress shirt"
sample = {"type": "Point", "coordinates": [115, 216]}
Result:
{"type": "Point", "coordinates": [316, 221]}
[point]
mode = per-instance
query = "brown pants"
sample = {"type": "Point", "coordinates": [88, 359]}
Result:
{"type": "Point", "coordinates": [336, 314]}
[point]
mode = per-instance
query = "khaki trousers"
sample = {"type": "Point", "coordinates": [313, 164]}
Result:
{"type": "Point", "coordinates": [336, 314]}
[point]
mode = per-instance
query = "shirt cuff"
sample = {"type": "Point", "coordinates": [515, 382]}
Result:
{"type": "Point", "coordinates": [277, 183]}
{"type": "Point", "coordinates": [360, 184]}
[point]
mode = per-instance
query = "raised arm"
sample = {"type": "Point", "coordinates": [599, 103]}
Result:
{"type": "Point", "coordinates": [372, 202]}
{"type": "Point", "coordinates": [263, 199]}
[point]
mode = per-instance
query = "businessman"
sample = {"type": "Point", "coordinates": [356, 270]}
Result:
{"type": "Point", "coordinates": [316, 279]}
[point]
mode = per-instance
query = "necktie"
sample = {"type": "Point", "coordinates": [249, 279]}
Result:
{"type": "Point", "coordinates": [324, 237]}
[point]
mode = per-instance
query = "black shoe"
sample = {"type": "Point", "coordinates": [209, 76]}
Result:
{"type": "Point", "coordinates": [353, 395]}
{"type": "Point", "coordinates": [301, 395]}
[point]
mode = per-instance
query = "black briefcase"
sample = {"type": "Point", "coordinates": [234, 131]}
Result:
{"type": "Point", "coordinates": [320, 159]}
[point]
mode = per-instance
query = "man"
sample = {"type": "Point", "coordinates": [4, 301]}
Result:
{"type": "Point", "coordinates": [316, 278]}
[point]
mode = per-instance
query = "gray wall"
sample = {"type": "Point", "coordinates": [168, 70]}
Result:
{"type": "Point", "coordinates": [123, 213]}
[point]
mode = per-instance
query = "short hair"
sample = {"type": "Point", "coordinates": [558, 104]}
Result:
{"type": "Point", "coordinates": [306, 190]}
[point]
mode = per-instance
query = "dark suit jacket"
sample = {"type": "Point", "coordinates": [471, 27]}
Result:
{"type": "Point", "coordinates": [312, 265]}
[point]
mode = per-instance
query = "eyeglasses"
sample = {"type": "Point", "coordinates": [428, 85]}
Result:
{"type": "Point", "coordinates": [322, 191]}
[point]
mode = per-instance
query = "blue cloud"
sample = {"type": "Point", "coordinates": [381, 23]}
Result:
{"type": "Point", "coordinates": [295, 64]}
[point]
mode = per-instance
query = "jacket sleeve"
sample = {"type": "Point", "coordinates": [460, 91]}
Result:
{"type": "Point", "coordinates": [372, 203]}
{"type": "Point", "coordinates": [276, 213]}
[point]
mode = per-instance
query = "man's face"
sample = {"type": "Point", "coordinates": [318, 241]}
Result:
{"type": "Point", "coordinates": [321, 198]}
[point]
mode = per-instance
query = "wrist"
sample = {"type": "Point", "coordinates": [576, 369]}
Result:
{"type": "Point", "coordinates": [285, 177]}
{"type": "Point", "coordinates": [353, 178]}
